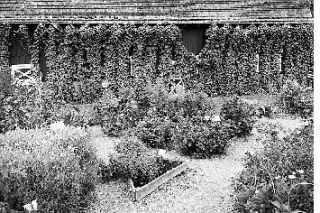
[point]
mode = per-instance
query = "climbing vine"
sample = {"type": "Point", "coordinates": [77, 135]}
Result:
{"type": "Point", "coordinates": [53, 50]}
{"type": "Point", "coordinates": [90, 70]}
{"type": "Point", "coordinates": [229, 59]}
{"type": "Point", "coordinates": [234, 60]}
{"type": "Point", "coordinates": [39, 37]}
{"type": "Point", "coordinates": [5, 30]}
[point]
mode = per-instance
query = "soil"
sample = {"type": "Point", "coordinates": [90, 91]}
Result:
{"type": "Point", "coordinates": [205, 187]}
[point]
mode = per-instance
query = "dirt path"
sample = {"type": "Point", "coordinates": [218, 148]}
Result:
{"type": "Point", "coordinates": [205, 187]}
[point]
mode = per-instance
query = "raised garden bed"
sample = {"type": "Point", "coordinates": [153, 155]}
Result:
{"type": "Point", "coordinates": [174, 168]}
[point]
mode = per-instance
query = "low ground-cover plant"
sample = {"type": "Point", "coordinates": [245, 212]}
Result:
{"type": "Point", "coordinates": [239, 114]}
{"type": "Point", "coordinates": [58, 168]}
{"type": "Point", "coordinates": [296, 99]}
{"type": "Point", "coordinates": [134, 160]}
{"type": "Point", "coordinates": [282, 175]}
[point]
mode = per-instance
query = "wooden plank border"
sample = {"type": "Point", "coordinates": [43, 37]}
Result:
{"type": "Point", "coordinates": [140, 192]}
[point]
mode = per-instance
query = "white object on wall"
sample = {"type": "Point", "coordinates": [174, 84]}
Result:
{"type": "Point", "coordinates": [21, 74]}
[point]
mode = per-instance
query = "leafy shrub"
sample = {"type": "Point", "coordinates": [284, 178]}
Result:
{"type": "Point", "coordinates": [296, 99]}
{"type": "Point", "coordinates": [188, 104]}
{"type": "Point", "coordinates": [58, 169]}
{"type": "Point", "coordinates": [156, 132]}
{"type": "Point", "coordinates": [78, 115]}
{"type": "Point", "coordinates": [118, 113]}
{"type": "Point", "coordinates": [166, 111]}
{"type": "Point", "coordinates": [26, 107]}
{"type": "Point", "coordinates": [133, 104]}
{"type": "Point", "coordinates": [202, 140]}
{"type": "Point", "coordinates": [133, 160]}
{"type": "Point", "coordinates": [240, 114]}
{"type": "Point", "coordinates": [281, 174]}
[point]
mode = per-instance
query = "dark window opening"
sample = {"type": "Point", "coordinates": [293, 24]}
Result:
{"type": "Point", "coordinates": [194, 37]}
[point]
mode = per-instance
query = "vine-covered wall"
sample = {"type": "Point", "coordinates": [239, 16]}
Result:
{"type": "Point", "coordinates": [244, 61]}
{"type": "Point", "coordinates": [234, 59]}
{"type": "Point", "coordinates": [5, 72]}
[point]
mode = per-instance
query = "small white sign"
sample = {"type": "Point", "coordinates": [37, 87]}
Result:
{"type": "Point", "coordinates": [162, 153]}
{"type": "Point", "coordinates": [57, 126]}
{"type": "Point", "coordinates": [33, 206]}
{"type": "Point", "coordinates": [216, 118]}
{"type": "Point", "coordinates": [105, 84]}
{"type": "Point", "coordinates": [207, 118]}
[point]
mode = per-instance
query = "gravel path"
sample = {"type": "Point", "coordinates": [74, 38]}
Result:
{"type": "Point", "coordinates": [204, 187]}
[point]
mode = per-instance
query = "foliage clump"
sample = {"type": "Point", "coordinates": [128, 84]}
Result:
{"type": "Point", "coordinates": [156, 132]}
{"type": "Point", "coordinates": [202, 139]}
{"type": "Point", "coordinates": [297, 99]}
{"type": "Point", "coordinates": [239, 114]}
{"type": "Point", "coordinates": [26, 107]}
{"type": "Point", "coordinates": [58, 168]}
{"type": "Point", "coordinates": [134, 160]}
{"type": "Point", "coordinates": [281, 174]}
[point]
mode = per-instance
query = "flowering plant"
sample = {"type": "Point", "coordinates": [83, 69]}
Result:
{"type": "Point", "coordinates": [280, 178]}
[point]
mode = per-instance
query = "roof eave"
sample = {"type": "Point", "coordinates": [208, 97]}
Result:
{"type": "Point", "coordinates": [152, 20]}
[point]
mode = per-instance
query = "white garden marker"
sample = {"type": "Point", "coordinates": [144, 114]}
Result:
{"type": "Point", "coordinates": [207, 117]}
{"type": "Point", "coordinates": [162, 153]}
{"type": "Point", "coordinates": [57, 126]}
{"type": "Point", "coordinates": [105, 84]}
{"type": "Point", "coordinates": [31, 207]}
{"type": "Point", "coordinates": [216, 118]}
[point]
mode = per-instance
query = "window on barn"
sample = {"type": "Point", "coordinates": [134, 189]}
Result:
{"type": "Point", "coordinates": [194, 37]}
{"type": "Point", "coordinates": [19, 56]}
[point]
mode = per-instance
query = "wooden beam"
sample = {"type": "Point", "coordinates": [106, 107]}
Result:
{"type": "Point", "coordinates": [141, 192]}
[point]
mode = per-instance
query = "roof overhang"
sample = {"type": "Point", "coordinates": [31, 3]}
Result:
{"type": "Point", "coordinates": [151, 20]}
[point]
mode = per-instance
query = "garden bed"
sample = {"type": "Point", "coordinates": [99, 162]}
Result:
{"type": "Point", "coordinates": [171, 169]}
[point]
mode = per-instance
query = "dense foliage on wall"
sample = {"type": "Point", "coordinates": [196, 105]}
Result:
{"type": "Point", "coordinates": [4, 57]}
{"type": "Point", "coordinates": [230, 58]}
{"type": "Point", "coordinates": [235, 60]}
